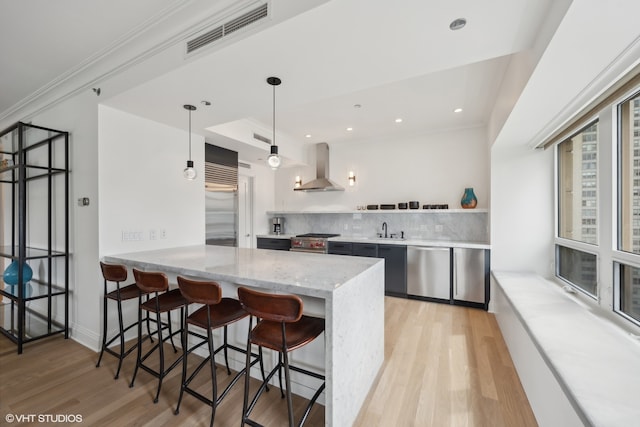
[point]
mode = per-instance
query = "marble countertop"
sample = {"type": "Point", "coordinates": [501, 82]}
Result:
{"type": "Point", "coordinates": [295, 272]}
{"type": "Point", "coordinates": [596, 362]}
{"type": "Point", "coordinates": [389, 241]}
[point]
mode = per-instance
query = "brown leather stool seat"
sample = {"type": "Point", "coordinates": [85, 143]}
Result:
{"type": "Point", "coordinates": [117, 273]}
{"type": "Point", "coordinates": [217, 312]}
{"type": "Point", "coordinates": [281, 327]}
{"type": "Point", "coordinates": [164, 301]}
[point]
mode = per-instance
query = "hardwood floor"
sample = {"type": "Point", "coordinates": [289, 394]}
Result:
{"type": "Point", "coordinates": [444, 366]}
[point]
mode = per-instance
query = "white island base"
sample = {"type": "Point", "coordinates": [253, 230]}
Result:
{"type": "Point", "coordinates": [347, 291]}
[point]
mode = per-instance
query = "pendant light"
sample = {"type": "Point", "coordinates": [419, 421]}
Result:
{"type": "Point", "coordinates": [274, 159]}
{"type": "Point", "coordinates": [189, 172]}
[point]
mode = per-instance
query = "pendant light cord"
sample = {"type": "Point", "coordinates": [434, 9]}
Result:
{"type": "Point", "coordinates": [189, 134]}
{"type": "Point", "coordinates": [274, 115]}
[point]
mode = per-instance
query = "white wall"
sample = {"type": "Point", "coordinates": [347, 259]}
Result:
{"type": "Point", "coordinates": [79, 117]}
{"type": "Point", "coordinates": [432, 168]}
{"type": "Point", "coordinates": [522, 203]}
{"type": "Point", "coordinates": [142, 189]}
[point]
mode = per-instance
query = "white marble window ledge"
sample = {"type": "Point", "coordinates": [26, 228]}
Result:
{"type": "Point", "coordinates": [595, 362]}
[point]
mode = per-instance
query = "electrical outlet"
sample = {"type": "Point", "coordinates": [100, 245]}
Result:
{"type": "Point", "coordinates": [153, 235]}
{"type": "Point", "coordinates": [131, 236]}
{"type": "Point", "coordinates": [163, 233]}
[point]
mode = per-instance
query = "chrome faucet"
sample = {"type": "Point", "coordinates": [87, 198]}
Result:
{"type": "Point", "coordinates": [384, 228]}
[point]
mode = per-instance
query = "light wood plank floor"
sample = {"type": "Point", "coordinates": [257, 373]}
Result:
{"type": "Point", "coordinates": [444, 366]}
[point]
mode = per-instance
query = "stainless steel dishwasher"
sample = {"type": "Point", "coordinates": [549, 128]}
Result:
{"type": "Point", "coordinates": [429, 272]}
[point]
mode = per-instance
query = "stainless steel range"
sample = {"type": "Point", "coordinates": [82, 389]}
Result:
{"type": "Point", "coordinates": [311, 242]}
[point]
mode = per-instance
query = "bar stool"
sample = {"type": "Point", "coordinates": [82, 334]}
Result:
{"type": "Point", "coordinates": [117, 273]}
{"type": "Point", "coordinates": [165, 301]}
{"type": "Point", "coordinates": [217, 312]}
{"type": "Point", "coordinates": [282, 327]}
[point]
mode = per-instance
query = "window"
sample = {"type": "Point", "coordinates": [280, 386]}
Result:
{"type": "Point", "coordinates": [627, 277]}
{"type": "Point", "coordinates": [577, 182]}
{"type": "Point", "coordinates": [629, 284]}
{"type": "Point", "coordinates": [578, 268]}
{"type": "Point", "coordinates": [597, 240]}
{"type": "Point", "coordinates": [629, 167]}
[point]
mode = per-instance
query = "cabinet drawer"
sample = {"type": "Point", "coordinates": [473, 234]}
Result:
{"type": "Point", "coordinates": [341, 248]}
{"type": "Point", "coordinates": [365, 249]}
{"type": "Point", "coordinates": [276, 244]}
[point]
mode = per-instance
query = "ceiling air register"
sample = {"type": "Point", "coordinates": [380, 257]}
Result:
{"type": "Point", "coordinates": [227, 28]}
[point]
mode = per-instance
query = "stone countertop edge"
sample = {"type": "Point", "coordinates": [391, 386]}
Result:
{"type": "Point", "coordinates": [276, 270]}
{"type": "Point", "coordinates": [389, 241]}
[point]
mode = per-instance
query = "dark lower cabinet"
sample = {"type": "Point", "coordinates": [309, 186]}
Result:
{"type": "Point", "coordinates": [395, 269]}
{"type": "Point", "coordinates": [395, 262]}
{"type": "Point", "coordinates": [274, 243]}
{"type": "Point", "coordinates": [365, 249]}
{"type": "Point", "coordinates": [341, 248]}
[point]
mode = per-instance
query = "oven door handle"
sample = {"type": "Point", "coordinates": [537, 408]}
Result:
{"type": "Point", "coordinates": [311, 251]}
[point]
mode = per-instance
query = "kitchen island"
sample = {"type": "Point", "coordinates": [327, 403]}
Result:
{"type": "Point", "coordinates": [347, 292]}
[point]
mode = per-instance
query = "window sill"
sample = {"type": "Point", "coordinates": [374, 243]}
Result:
{"type": "Point", "coordinates": [594, 361]}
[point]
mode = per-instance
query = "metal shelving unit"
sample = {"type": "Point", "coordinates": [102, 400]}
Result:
{"type": "Point", "coordinates": [35, 230]}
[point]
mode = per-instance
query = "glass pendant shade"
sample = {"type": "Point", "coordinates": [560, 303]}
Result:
{"type": "Point", "coordinates": [274, 159]}
{"type": "Point", "coordinates": [189, 172]}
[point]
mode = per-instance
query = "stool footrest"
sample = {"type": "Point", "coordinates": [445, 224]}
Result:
{"type": "Point", "coordinates": [205, 362]}
{"type": "Point", "coordinates": [265, 383]}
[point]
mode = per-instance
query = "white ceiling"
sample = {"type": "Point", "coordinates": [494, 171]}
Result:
{"type": "Point", "coordinates": [395, 61]}
{"type": "Point", "coordinates": [42, 40]}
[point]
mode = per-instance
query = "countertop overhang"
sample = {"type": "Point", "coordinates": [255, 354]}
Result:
{"type": "Point", "coordinates": [296, 272]}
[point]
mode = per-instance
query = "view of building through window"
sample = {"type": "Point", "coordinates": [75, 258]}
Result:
{"type": "Point", "coordinates": [579, 268]}
{"type": "Point", "coordinates": [629, 239]}
{"type": "Point", "coordinates": [629, 203]}
{"type": "Point", "coordinates": [578, 189]}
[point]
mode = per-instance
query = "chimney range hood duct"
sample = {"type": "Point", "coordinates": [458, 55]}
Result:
{"type": "Point", "coordinates": [322, 181]}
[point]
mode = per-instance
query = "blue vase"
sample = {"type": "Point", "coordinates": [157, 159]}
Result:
{"type": "Point", "coordinates": [469, 200]}
{"type": "Point", "coordinates": [10, 275]}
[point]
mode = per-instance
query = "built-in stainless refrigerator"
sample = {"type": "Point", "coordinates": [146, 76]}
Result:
{"type": "Point", "coordinates": [221, 218]}
{"type": "Point", "coordinates": [221, 196]}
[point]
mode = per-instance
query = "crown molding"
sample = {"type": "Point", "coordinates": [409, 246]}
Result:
{"type": "Point", "coordinates": [132, 48]}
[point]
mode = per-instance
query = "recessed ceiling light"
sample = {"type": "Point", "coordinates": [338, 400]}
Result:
{"type": "Point", "coordinates": [205, 103]}
{"type": "Point", "coordinates": [398, 120]}
{"type": "Point", "coordinates": [308, 135]}
{"type": "Point", "coordinates": [357, 105]}
{"type": "Point", "coordinates": [458, 24]}
{"type": "Point", "coordinates": [349, 129]}
{"type": "Point", "coordinates": [458, 110]}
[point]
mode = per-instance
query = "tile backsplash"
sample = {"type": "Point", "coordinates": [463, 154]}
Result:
{"type": "Point", "coordinates": [472, 226]}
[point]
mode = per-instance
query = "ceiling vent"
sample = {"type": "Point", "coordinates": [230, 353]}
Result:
{"type": "Point", "coordinates": [227, 28]}
{"type": "Point", "coordinates": [220, 177]}
{"type": "Point", "coordinates": [261, 138]}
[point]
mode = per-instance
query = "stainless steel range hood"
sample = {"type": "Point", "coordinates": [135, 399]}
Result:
{"type": "Point", "coordinates": [322, 181]}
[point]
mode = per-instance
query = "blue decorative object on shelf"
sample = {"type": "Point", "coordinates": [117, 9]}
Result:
{"type": "Point", "coordinates": [469, 200]}
{"type": "Point", "coordinates": [10, 275]}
